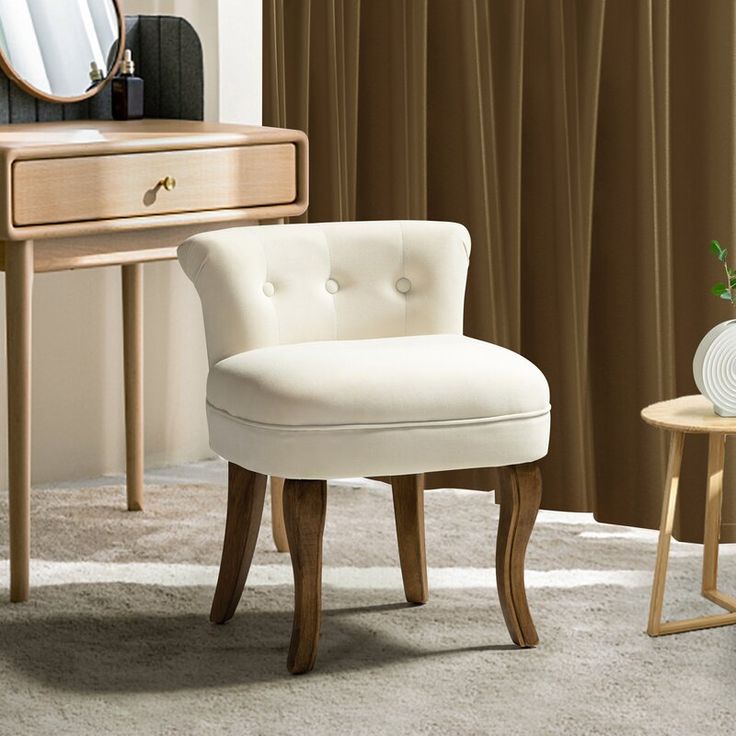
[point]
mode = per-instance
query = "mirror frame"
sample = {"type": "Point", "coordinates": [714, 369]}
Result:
{"type": "Point", "coordinates": [10, 72]}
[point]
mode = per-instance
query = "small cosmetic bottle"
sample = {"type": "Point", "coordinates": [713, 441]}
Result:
{"type": "Point", "coordinates": [95, 75]}
{"type": "Point", "coordinates": [127, 91]}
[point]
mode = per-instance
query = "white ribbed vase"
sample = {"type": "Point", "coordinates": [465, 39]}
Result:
{"type": "Point", "coordinates": [714, 368]}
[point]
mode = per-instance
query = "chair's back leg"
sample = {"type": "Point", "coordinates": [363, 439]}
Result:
{"type": "Point", "coordinates": [408, 491]}
{"type": "Point", "coordinates": [305, 502]}
{"type": "Point", "coordinates": [246, 492]}
{"type": "Point", "coordinates": [278, 530]}
{"type": "Point", "coordinates": [521, 494]}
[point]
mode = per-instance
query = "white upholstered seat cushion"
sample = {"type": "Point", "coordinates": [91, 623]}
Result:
{"type": "Point", "coordinates": [383, 406]}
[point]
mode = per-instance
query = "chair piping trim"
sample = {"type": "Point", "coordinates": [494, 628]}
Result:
{"type": "Point", "coordinates": [378, 425]}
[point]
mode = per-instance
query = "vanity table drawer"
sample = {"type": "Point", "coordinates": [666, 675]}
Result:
{"type": "Point", "coordinates": [47, 191]}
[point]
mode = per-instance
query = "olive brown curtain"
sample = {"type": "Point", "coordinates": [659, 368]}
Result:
{"type": "Point", "coordinates": [588, 146]}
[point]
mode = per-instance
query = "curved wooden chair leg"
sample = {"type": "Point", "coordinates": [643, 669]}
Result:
{"type": "Point", "coordinates": [305, 502]}
{"type": "Point", "coordinates": [408, 491]}
{"type": "Point", "coordinates": [278, 530]}
{"type": "Point", "coordinates": [246, 492]}
{"type": "Point", "coordinates": [521, 494]}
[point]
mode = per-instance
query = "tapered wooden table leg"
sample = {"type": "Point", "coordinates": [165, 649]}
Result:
{"type": "Point", "coordinates": [18, 309]}
{"type": "Point", "coordinates": [657, 626]}
{"type": "Point", "coordinates": [669, 502]}
{"type": "Point", "coordinates": [713, 502]}
{"type": "Point", "coordinates": [681, 416]}
{"type": "Point", "coordinates": [132, 275]}
{"type": "Point", "coordinates": [712, 531]}
{"type": "Point", "coordinates": [278, 530]}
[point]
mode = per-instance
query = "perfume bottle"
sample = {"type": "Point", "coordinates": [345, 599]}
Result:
{"type": "Point", "coordinates": [127, 91]}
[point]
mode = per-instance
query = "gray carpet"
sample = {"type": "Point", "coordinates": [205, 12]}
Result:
{"type": "Point", "coordinates": [116, 638]}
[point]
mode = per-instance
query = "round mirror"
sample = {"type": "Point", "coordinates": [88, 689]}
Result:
{"type": "Point", "coordinates": [61, 50]}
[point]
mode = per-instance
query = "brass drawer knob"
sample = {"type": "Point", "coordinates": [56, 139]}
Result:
{"type": "Point", "coordinates": [168, 183]}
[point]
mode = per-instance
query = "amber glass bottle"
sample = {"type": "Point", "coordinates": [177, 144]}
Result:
{"type": "Point", "coordinates": [127, 91]}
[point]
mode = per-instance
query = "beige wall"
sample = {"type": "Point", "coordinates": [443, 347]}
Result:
{"type": "Point", "coordinates": [77, 373]}
{"type": "Point", "coordinates": [231, 41]}
{"type": "Point", "coordinates": [77, 342]}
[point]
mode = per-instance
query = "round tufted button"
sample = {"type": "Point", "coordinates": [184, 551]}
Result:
{"type": "Point", "coordinates": [403, 285]}
{"type": "Point", "coordinates": [268, 289]}
{"type": "Point", "coordinates": [332, 286]}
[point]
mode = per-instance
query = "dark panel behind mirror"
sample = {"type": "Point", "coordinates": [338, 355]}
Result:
{"type": "Point", "coordinates": [168, 55]}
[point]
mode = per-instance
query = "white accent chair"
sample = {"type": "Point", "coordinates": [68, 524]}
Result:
{"type": "Point", "coordinates": [337, 350]}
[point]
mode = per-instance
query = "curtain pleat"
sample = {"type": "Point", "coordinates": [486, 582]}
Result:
{"type": "Point", "coordinates": [631, 310]}
{"type": "Point", "coordinates": [588, 147]}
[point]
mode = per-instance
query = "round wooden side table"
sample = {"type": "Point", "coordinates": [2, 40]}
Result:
{"type": "Point", "coordinates": [686, 415]}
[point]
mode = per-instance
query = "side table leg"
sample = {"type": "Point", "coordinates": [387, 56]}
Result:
{"type": "Point", "coordinates": [712, 530]}
{"type": "Point", "coordinates": [677, 441]}
{"type": "Point", "coordinates": [133, 366]}
{"type": "Point", "coordinates": [714, 498]}
{"type": "Point", "coordinates": [657, 627]}
{"type": "Point", "coordinates": [18, 310]}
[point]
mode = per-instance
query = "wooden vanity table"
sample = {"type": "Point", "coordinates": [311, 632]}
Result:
{"type": "Point", "coordinates": [83, 194]}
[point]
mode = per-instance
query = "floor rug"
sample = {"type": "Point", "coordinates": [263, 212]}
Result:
{"type": "Point", "coordinates": [115, 639]}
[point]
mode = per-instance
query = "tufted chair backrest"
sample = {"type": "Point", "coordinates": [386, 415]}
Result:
{"type": "Point", "coordinates": [280, 284]}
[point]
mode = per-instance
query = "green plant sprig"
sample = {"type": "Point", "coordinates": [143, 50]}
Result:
{"type": "Point", "coordinates": [725, 290]}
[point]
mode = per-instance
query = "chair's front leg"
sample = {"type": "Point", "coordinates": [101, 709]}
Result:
{"type": "Point", "coordinates": [305, 503]}
{"type": "Point", "coordinates": [521, 494]}
{"type": "Point", "coordinates": [246, 492]}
